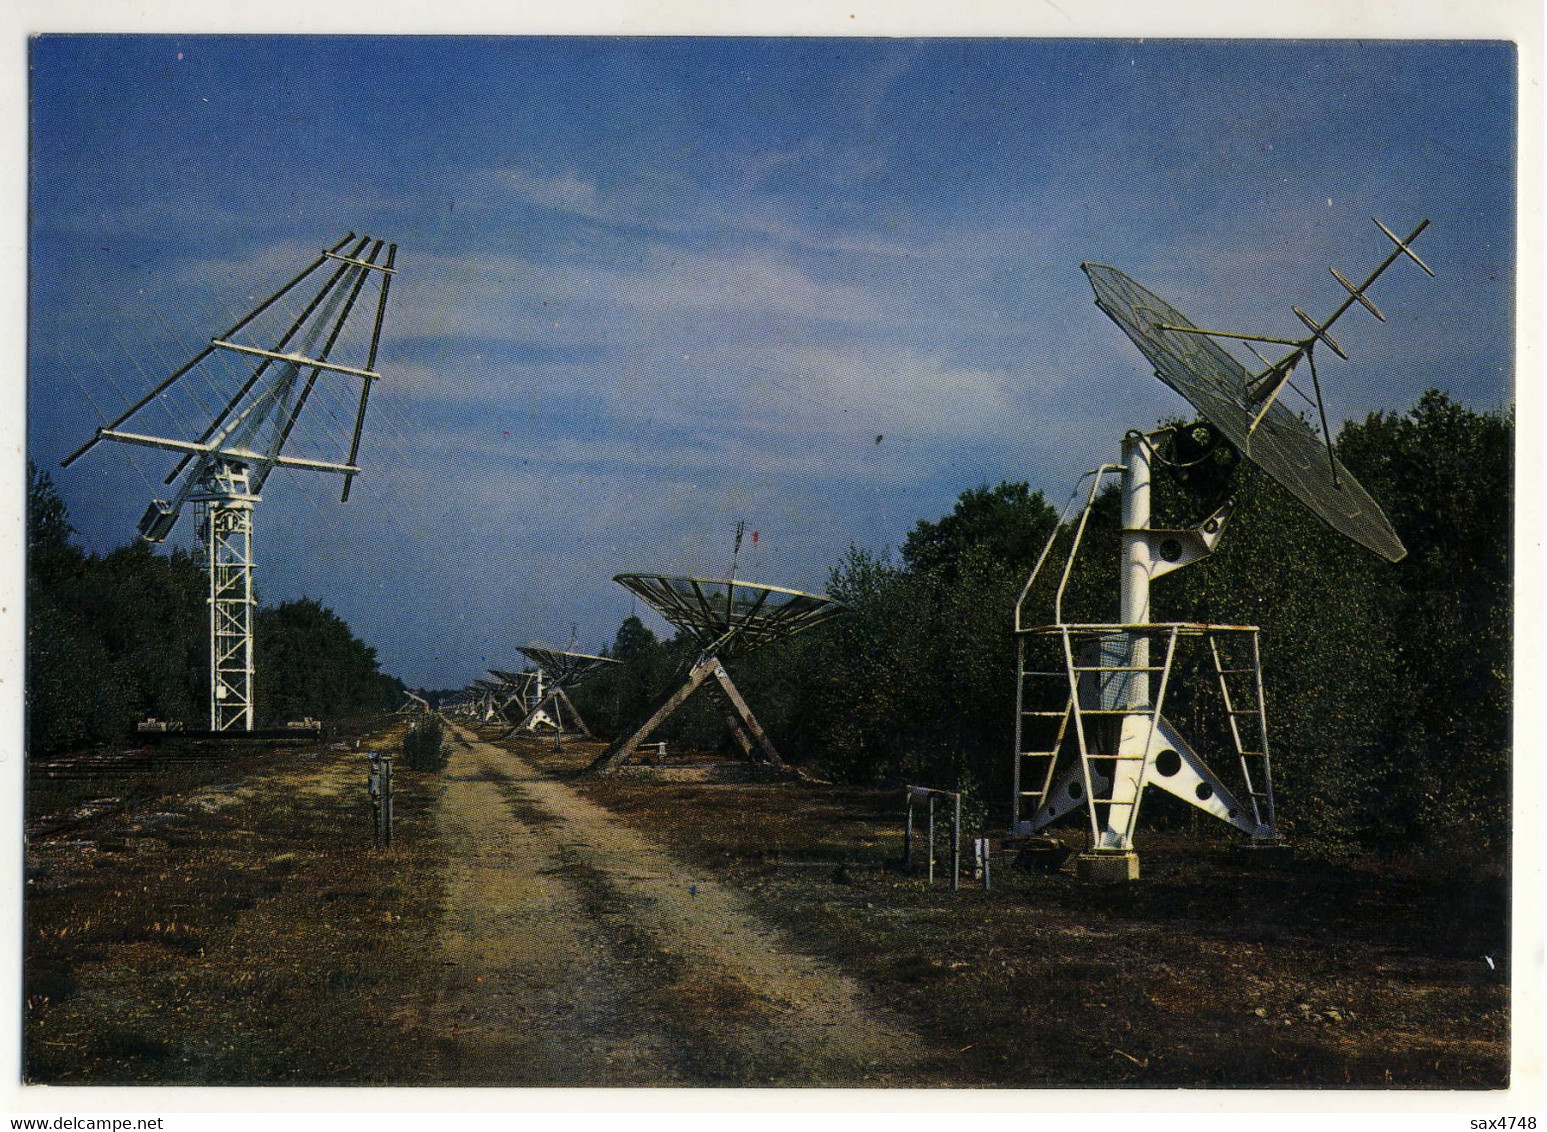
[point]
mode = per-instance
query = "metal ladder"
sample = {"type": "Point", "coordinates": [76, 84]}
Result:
{"type": "Point", "coordinates": [1247, 703]}
{"type": "Point", "coordinates": [1092, 692]}
{"type": "Point", "coordinates": [1044, 730]}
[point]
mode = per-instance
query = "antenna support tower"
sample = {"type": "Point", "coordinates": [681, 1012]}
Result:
{"type": "Point", "coordinates": [725, 617]}
{"type": "Point", "coordinates": [560, 670]}
{"type": "Point", "coordinates": [1091, 731]}
{"type": "Point", "coordinates": [513, 688]}
{"type": "Point", "coordinates": [302, 334]}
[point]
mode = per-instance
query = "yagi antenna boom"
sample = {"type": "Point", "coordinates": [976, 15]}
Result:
{"type": "Point", "coordinates": [223, 471]}
{"type": "Point", "coordinates": [1266, 386]}
{"type": "Point", "coordinates": [1245, 407]}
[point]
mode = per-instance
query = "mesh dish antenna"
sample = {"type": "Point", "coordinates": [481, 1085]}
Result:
{"type": "Point", "coordinates": [725, 617]}
{"type": "Point", "coordinates": [1246, 406]}
{"type": "Point", "coordinates": [558, 669]}
{"type": "Point", "coordinates": [324, 326]}
{"type": "Point", "coordinates": [1091, 731]}
{"type": "Point", "coordinates": [512, 688]}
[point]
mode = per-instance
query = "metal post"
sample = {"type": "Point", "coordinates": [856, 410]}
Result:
{"type": "Point", "coordinates": [931, 838]}
{"type": "Point", "coordinates": [386, 821]}
{"type": "Point", "coordinates": [373, 786]}
{"type": "Point", "coordinates": [956, 845]}
{"type": "Point", "coordinates": [1134, 687]}
{"type": "Point", "coordinates": [380, 786]}
{"type": "Point", "coordinates": [907, 833]}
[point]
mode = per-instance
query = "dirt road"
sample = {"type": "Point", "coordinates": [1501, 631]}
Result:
{"type": "Point", "coordinates": [575, 951]}
{"type": "Point", "coordinates": [224, 918]}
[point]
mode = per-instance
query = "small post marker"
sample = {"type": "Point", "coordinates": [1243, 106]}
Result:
{"type": "Point", "coordinates": [380, 785]}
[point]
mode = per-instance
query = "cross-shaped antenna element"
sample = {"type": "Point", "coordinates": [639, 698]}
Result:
{"type": "Point", "coordinates": [1263, 389]}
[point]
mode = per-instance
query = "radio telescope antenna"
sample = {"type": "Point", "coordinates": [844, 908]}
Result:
{"type": "Point", "coordinates": [282, 354]}
{"type": "Point", "coordinates": [725, 617]}
{"type": "Point", "coordinates": [413, 704]}
{"type": "Point", "coordinates": [1105, 702]}
{"type": "Point", "coordinates": [1246, 407]}
{"type": "Point", "coordinates": [512, 688]}
{"type": "Point", "coordinates": [561, 669]}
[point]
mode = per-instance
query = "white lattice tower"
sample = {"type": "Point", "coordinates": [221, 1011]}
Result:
{"type": "Point", "coordinates": [227, 505]}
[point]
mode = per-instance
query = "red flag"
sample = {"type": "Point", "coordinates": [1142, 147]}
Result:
{"type": "Point", "coordinates": [754, 538]}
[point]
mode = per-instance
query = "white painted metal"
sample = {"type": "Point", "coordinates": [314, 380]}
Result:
{"type": "Point", "coordinates": [223, 471]}
{"type": "Point", "coordinates": [226, 500]}
{"type": "Point", "coordinates": [1113, 707]}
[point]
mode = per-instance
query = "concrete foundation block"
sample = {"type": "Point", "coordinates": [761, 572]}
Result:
{"type": "Point", "coordinates": [1107, 868]}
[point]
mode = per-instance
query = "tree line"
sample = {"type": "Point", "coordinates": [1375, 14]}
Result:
{"type": "Point", "coordinates": [124, 636]}
{"type": "Point", "coordinates": [1388, 685]}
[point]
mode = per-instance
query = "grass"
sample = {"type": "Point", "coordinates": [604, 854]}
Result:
{"type": "Point", "coordinates": [257, 937]}
{"type": "Point", "coordinates": [1211, 971]}
{"type": "Point", "coordinates": [270, 944]}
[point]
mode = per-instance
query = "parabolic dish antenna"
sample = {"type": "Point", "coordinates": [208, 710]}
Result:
{"type": "Point", "coordinates": [724, 616]}
{"type": "Point", "coordinates": [516, 679]}
{"type": "Point", "coordinates": [566, 668]}
{"type": "Point", "coordinates": [731, 615]}
{"type": "Point", "coordinates": [557, 669]}
{"type": "Point", "coordinates": [1245, 407]}
{"type": "Point", "coordinates": [1283, 445]}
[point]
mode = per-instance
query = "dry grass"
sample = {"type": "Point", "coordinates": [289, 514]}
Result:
{"type": "Point", "coordinates": [1211, 971]}
{"type": "Point", "coordinates": [231, 923]}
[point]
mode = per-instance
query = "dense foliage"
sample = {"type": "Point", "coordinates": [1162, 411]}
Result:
{"type": "Point", "coordinates": [309, 663]}
{"type": "Point", "coordinates": [1389, 687]}
{"type": "Point", "coordinates": [424, 746]}
{"type": "Point", "coordinates": [116, 638]}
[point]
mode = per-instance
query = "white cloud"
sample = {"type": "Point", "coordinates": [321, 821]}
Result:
{"type": "Point", "coordinates": [565, 192]}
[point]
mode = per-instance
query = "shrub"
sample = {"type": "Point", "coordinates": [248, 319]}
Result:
{"type": "Point", "coordinates": [424, 746]}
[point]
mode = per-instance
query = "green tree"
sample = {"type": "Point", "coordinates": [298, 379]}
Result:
{"type": "Point", "coordinates": [622, 695]}
{"type": "Point", "coordinates": [310, 664]}
{"type": "Point", "coordinates": [109, 640]}
{"type": "Point", "coordinates": [1008, 523]}
{"type": "Point", "coordinates": [918, 681]}
{"type": "Point", "coordinates": [1444, 474]}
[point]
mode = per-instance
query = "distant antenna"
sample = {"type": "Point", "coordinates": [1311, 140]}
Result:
{"type": "Point", "coordinates": [724, 617]}
{"type": "Point", "coordinates": [562, 669]}
{"type": "Point", "coordinates": [223, 469]}
{"type": "Point", "coordinates": [1091, 733]}
{"type": "Point", "coordinates": [518, 688]}
{"type": "Point", "coordinates": [413, 704]}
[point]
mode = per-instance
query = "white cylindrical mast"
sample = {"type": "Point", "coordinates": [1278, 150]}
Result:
{"type": "Point", "coordinates": [1138, 560]}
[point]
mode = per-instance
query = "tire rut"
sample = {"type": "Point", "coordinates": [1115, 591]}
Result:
{"type": "Point", "coordinates": [578, 952]}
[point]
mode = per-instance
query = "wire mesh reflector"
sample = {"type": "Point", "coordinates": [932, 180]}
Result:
{"type": "Point", "coordinates": [727, 613]}
{"type": "Point", "coordinates": [1215, 383]}
{"type": "Point", "coordinates": [564, 668]}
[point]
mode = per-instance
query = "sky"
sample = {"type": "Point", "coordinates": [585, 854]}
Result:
{"type": "Point", "coordinates": [651, 287]}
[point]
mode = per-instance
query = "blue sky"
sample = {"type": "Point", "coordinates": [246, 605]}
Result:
{"type": "Point", "coordinates": [650, 287]}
